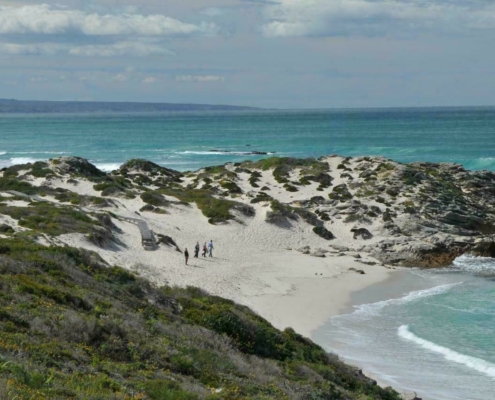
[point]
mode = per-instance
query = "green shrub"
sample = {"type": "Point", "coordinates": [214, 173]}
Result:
{"type": "Point", "coordinates": [154, 199]}
{"type": "Point", "coordinates": [216, 210]}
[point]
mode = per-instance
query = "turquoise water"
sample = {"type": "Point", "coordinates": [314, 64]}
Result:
{"type": "Point", "coordinates": [437, 336]}
{"type": "Point", "coordinates": [183, 140]}
{"type": "Point", "coordinates": [434, 335]}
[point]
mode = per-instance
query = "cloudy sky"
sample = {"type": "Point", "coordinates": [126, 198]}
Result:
{"type": "Point", "coordinates": [267, 53]}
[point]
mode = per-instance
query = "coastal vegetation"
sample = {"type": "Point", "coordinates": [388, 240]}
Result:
{"type": "Point", "coordinates": [72, 326]}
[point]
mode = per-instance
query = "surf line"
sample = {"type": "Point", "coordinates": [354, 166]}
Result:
{"type": "Point", "coordinates": [474, 363]}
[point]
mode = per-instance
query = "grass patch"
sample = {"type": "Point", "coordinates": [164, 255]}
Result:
{"type": "Point", "coordinates": [50, 219]}
{"type": "Point", "coordinates": [216, 210]}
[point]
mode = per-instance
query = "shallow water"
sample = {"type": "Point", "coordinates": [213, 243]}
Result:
{"type": "Point", "coordinates": [434, 335]}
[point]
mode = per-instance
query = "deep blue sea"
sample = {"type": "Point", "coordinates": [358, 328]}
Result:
{"type": "Point", "coordinates": [432, 332]}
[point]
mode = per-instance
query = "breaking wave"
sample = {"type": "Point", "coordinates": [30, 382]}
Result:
{"type": "Point", "coordinates": [373, 309]}
{"type": "Point", "coordinates": [474, 363]}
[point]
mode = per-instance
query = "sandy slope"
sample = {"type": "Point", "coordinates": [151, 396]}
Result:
{"type": "Point", "coordinates": [255, 263]}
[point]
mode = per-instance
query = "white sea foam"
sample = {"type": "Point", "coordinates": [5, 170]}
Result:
{"type": "Point", "coordinates": [2, 153]}
{"type": "Point", "coordinates": [481, 163]}
{"type": "Point", "coordinates": [474, 363]}
{"type": "Point", "coordinates": [374, 308]}
{"type": "Point", "coordinates": [107, 167]}
{"type": "Point", "coordinates": [474, 264]}
{"type": "Point", "coordinates": [23, 160]}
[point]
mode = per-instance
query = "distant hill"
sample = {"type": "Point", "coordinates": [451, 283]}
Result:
{"type": "Point", "coordinates": [32, 106]}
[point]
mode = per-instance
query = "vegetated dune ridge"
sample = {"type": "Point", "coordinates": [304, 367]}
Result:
{"type": "Point", "coordinates": [293, 239]}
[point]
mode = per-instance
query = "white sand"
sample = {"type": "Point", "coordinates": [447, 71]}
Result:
{"type": "Point", "coordinates": [254, 263]}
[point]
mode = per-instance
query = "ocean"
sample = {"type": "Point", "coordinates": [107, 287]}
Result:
{"type": "Point", "coordinates": [432, 332]}
{"type": "Point", "coordinates": [184, 140]}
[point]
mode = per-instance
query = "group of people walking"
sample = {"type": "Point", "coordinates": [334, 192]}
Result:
{"type": "Point", "coordinates": [207, 249]}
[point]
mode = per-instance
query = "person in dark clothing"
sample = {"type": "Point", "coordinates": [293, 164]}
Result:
{"type": "Point", "coordinates": [205, 249]}
{"type": "Point", "coordinates": [186, 255]}
{"type": "Point", "coordinates": [196, 250]}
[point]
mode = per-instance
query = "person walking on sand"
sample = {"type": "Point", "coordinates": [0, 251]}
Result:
{"type": "Point", "coordinates": [210, 248]}
{"type": "Point", "coordinates": [186, 255]}
{"type": "Point", "coordinates": [205, 249]}
{"type": "Point", "coordinates": [196, 250]}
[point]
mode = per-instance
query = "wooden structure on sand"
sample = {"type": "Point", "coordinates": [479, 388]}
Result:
{"type": "Point", "coordinates": [148, 239]}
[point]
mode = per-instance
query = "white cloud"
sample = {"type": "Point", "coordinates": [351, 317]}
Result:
{"type": "Point", "coordinates": [121, 78]}
{"type": "Point", "coordinates": [136, 49]}
{"type": "Point", "coordinates": [130, 48]}
{"type": "Point", "coordinates": [149, 79]}
{"type": "Point", "coordinates": [374, 17]}
{"type": "Point", "coordinates": [30, 49]}
{"type": "Point", "coordinates": [199, 78]}
{"type": "Point", "coordinates": [50, 20]}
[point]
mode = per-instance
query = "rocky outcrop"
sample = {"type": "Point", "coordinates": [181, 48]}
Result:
{"type": "Point", "coordinates": [432, 252]}
{"type": "Point", "coordinates": [484, 249]}
{"type": "Point", "coordinates": [143, 170]}
{"type": "Point", "coordinates": [75, 166]}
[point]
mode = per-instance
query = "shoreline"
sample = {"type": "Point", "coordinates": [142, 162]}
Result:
{"type": "Point", "coordinates": [311, 301]}
{"type": "Point", "coordinates": [382, 290]}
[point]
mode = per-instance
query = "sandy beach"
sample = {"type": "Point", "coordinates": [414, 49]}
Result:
{"type": "Point", "coordinates": [255, 264]}
{"type": "Point", "coordinates": [260, 265]}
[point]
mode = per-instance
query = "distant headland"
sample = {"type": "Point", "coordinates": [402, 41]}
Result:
{"type": "Point", "coordinates": [36, 106]}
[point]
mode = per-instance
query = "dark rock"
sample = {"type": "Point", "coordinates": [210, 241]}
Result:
{"type": "Point", "coordinates": [346, 175]}
{"type": "Point", "coordinates": [4, 228]}
{"type": "Point", "coordinates": [375, 209]}
{"type": "Point", "coordinates": [393, 191]}
{"type": "Point", "coordinates": [467, 221]}
{"type": "Point", "coordinates": [101, 236]}
{"type": "Point", "coordinates": [322, 178]}
{"type": "Point", "coordinates": [339, 248]}
{"type": "Point", "coordinates": [309, 217]}
{"type": "Point", "coordinates": [484, 249]}
{"type": "Point", "coordinates": [244, 209]}
{"type": "Point", "coordinates": [364, 233]}
{"type": "Point", "coordinates": [279, 217]}
{"type": "Point", "coordinates": [323, 232]}
{"type": "Point", "coordinates": [318, 200]}
{"type": "Point", "coordinates": [392, 228]}
{"type": "Point", "coordinates": [168, 241]}
{"type": "Point", "coordinates": [305, 250]}
{"type": "Point", "coordinates": [341, 193]}
{"type": "Point", "coordinates": [387, 216]}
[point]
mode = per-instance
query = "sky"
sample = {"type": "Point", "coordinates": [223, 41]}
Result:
{"type": "Point", "coordinates": [264, 53]}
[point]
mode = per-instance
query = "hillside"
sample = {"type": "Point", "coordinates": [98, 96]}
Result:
{"type": "Point", "coordinates": [74, 326]}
